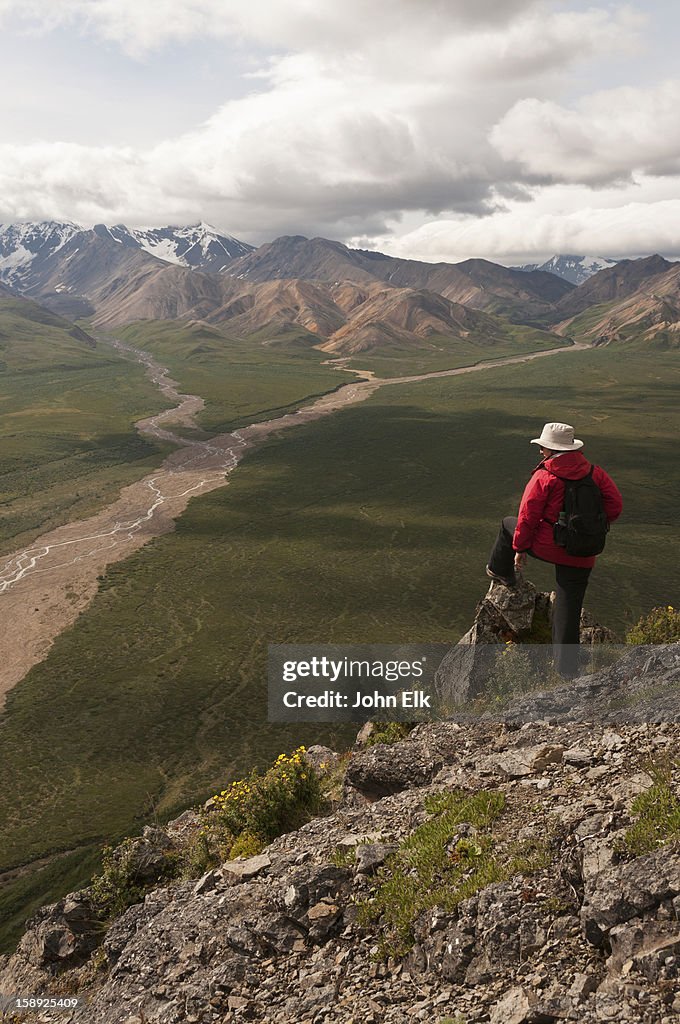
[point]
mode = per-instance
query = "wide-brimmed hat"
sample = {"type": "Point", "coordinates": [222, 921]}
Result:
{"type": "Point", "coordinates": [559, 437]}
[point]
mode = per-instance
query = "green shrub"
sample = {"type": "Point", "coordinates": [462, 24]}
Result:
{"type": "Point", "coordinates": [331, 781]}
{"type": "Point", "coordinates": [265, 806]}
{"type": "Point", "coordinates": [518, 668]}
{"type": "Point", "coordinates": [660, 626]}
{"type": "Point", "coordinates": [246, 845]}
{"type": "Point", "coordinates": [119, 884]}
{"type": "Point", "coordinates": [198, 855]}
{"type": "Point", "coordinates": [512, 672]}
{"type": "Point", "coordinates": [343, 856]}
{"type": "Point", "coordinates": [244, 818]}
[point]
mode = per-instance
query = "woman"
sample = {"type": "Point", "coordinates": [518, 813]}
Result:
{"type": "Point", "coordinates": [532, 533]}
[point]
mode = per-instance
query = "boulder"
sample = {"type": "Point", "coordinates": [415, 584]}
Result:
{"type": "Point", "coordinates": [370, 856]}
{"type": "Point", "coordinates": [518, 762]}
{"type": "Point", "coordinates": [310, 885]}
{"type": "Point", "coordinates": [184, 827]}
{"type": "Point", "coordinates": [378, 771]}
{"type": "Point", "coordinates": [629, 890]}
{"type": "Point", "coordinates": [517, 1006]}
{"type": "Point", "coordinates": [146, 856]}
{"type": "Point", "coordinates": [511, 609]}
{"type": "Point", "coordinates": [236, 871]}
{"type": "Point", "coordinates": [645, 944]}
{"type": "Point", "coordinates": [364, 734]}
{"type": "Point", "coordinates": [385, 769]}
{"type": "Point", "coordinates": [62, 935]}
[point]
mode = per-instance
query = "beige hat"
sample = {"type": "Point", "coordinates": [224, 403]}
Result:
{"type": "Point", "coordinates": [558, 436]}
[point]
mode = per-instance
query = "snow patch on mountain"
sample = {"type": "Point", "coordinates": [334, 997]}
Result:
{"type": "Point", "coordinates": [198, 246]}
{"type": "Point", "coordinates": [576, 269]}
{"type": "Point", "coordinates": [22, 244]}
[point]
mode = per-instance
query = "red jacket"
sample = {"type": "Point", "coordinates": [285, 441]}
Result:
{"type": "Point", "coordinates": [542, 503]}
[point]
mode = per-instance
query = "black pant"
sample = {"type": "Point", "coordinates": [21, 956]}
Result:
{"type": "Point", "coordinates": [571, 583]}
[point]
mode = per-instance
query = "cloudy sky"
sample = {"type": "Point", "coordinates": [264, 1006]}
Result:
{"type": "Point", "coordinates": [435, 129]}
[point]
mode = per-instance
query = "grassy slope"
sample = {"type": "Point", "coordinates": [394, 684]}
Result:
{"type": "Point", "coordinates": [157, 693]}
{"type": "Point", "coordinates": [67, 441]}
{"type": "Point", "coordinates": [583, 324]}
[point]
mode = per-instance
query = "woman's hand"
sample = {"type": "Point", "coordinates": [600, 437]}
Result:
{"type": "Point", "coordinates": [520, 560]}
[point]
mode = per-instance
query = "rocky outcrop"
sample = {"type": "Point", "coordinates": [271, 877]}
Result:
{"type": "Point", "coordinates": [591, 934]}
{"type": "Point", "coordinates": [58, 937]}
{"type": "Point", "coordinates": [146, 857]}
{"type": "Point", "coordinates": [505, 615]}
{"type": "Point", "coordinates": [380, 770]}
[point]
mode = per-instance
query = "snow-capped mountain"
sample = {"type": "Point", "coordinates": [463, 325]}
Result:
{"type": "Point", "coordinates": [26, 249]}
{"type": "Point", "coordinates": [199, 246]}
{"type": "Point", "coordinates": [576, 269]}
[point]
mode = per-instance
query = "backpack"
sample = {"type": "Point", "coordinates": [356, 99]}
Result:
{"type": "Point", "coordinates": [582, 526]}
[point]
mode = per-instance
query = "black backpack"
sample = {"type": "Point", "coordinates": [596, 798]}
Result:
{"type": "Point", "coordinates": [583, 526]}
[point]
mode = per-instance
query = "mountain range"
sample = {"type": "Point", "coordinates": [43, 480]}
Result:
{"type": "Point", "coordinates": [344, 300]}
{"type": "Point", "coordinates": [477, 283]}
{"type": "Point", "coordinates": [354, 300]}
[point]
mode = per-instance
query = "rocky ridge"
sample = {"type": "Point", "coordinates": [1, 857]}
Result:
{"type": "Point", "coordinates": [612, 284]}
{"type": "Point", "coordinates": [277, 938]}
{"type": "Point", "coordinates": [26, 249]}
{"type": "Point", "coordinates": [650, 313]}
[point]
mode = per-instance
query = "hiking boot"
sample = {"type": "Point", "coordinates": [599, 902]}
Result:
{"type": "Point", "coordinates": [507, 581]}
